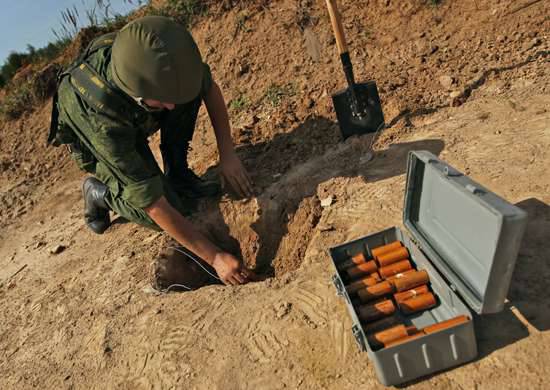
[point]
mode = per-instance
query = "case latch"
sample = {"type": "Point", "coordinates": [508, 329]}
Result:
{"type": "Point", "coordinates": [356, 330]}
{"type": "Point", "coordinates": [338, 284]}
{"type": "Point", "coordinates": [474, 190]}
{"type": "Point", "coordinates": [451, 172]}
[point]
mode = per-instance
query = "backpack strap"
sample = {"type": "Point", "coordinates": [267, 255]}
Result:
{"type": "Point", "coordinates": [98, 93]}
{"type": "Point", "coordinates": [91, 87]}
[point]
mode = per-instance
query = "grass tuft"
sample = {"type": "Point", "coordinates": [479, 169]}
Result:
{"type": "Point", "coordinates": [275, 93]}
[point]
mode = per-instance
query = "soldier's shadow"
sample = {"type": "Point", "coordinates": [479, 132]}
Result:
{"type": "Point", "coordinates": [529, 291]}
{"type": "Point", "coordinates": [529, 296]}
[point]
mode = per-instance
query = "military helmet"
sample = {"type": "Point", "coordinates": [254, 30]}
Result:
{"type": "Point", "coordinates": [156, 58]}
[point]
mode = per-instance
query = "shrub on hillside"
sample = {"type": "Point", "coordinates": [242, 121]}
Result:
{"type": "Point", "coordinates": [29, 93]}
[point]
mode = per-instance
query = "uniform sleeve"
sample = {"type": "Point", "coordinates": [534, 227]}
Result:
{"type": "Point", "coordinates": [130, 162]}
{"type": "Point", "coordinates": [206, 80]}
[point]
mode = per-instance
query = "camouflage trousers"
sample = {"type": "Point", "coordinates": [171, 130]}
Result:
{"type": "Point", "coordinates": [176, 132]}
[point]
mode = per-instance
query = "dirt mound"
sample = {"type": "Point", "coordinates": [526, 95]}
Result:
{"type": "Point", "coordinates": [78, 310]}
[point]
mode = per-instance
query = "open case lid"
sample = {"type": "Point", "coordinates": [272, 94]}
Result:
{"type": "Point", "coordinates": [471, 235]}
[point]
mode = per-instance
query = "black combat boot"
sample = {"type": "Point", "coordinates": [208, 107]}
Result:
{"type": "Point", "coordinates": [96, 211]}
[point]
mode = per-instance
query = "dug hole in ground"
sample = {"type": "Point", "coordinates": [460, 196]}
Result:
{"type": "Point", "coordinates": [465, 80]}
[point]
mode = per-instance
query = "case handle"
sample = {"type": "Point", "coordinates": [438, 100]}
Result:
{"type": "Point", "coordinates": [356, 330]}
{"type": "Point", "coordinates": [474, 190]}
{"type": "Point", "coordinates": [448, 171]}
{"type": "Point", "coordinates": [339, 285]}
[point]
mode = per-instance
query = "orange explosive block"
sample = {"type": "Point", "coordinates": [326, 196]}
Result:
{"type": "Point", "coordinates": [381, 250]}
{"type": "Point", "coordinates": [370, 280]}
{"type": "Point", "coordinates": [395, 268]}
{"type": "Point", "coordinates": [418, 303]}
{"type": "Point", "coordinates": [376, 310]}
{"type": "Point", "coordinates": [378, 290]}
{"type": "Point", "coordinates": [393, 257]}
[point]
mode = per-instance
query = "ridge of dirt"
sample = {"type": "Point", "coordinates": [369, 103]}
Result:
{"type": "Point", "coordinates": [468, 83]}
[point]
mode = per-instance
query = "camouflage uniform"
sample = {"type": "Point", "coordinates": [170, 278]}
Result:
{"type": "Point", "coordinates": [114, 147]}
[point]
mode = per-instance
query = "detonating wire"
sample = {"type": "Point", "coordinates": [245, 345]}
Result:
{"type": "Point", "coordinates": [196, 260]}
{"type": "Point", "coordinates": [192, 257]}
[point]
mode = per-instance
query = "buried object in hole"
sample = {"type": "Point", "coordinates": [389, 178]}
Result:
{"type": "Point", "coordinates": [173, 270]}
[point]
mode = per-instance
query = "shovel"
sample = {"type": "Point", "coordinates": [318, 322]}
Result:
{"type": "Point", "coordinates": [357, 107]}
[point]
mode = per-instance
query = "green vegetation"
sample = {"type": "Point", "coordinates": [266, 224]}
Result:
{"type": "Point", "coordinates": [17, 60]}
{"type": "Point", "coordinates": [276, 93]}
{"type": "Point", "coordinates": [435, 3]}
{"type": "Point", "coordinates": [239, 103]}
{"type": "Point", "coordinates": [241, 23]}
{"type": "Point", "coordinates": [18, 101]}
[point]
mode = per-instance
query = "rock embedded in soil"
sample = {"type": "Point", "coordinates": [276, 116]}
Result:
{"type": "Point", "coordinates": [57, 249]}
{"type": "Point", "coordinates": [446, 81]}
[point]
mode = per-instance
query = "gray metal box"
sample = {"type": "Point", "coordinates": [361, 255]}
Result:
{"type": "Point", "coordinates": [467, 239]}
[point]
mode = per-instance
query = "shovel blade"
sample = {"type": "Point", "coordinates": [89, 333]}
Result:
{"type": "Point", "coordinates": [351, 122]}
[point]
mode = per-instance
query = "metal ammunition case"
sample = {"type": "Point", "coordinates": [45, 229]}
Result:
{"type": "Point", "coordinates": [404, 339]}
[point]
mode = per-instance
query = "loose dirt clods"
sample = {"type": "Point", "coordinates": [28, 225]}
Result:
{"type": "Point", "coordinates": [466, 81]}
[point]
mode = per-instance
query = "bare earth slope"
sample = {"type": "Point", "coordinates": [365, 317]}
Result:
{"type": "Point", "coordinates": [85, 317]}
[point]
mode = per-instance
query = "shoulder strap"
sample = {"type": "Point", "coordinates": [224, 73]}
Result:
{"type": "Point", "coordinates": [93, 88]}
{"type": "Point", "coordinates": [98, 93]}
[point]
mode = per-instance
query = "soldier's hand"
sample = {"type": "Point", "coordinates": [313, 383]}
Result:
{"type": "Point", "coordinates": [234, 173]}
{"type": "Point", "coordinates": [230, 269]}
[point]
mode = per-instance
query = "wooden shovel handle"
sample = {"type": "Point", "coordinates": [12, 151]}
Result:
{"type": "Point", "coordinates": [336, 20]}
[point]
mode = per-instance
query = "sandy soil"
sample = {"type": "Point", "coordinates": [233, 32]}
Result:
{"type": "Point", "coordinates": [468, 83]}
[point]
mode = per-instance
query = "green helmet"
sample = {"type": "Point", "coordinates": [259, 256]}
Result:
{"type": "Point", "coordinates": [156, 58]}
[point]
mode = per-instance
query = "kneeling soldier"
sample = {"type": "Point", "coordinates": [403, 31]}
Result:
{"type": "Point", "coordinates": [121, 90]}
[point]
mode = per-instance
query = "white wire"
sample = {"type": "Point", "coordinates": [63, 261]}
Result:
{"type": "Point", "coordinates": [192, 257]}
{"type": "Point", "coordinates": [177, 285]}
